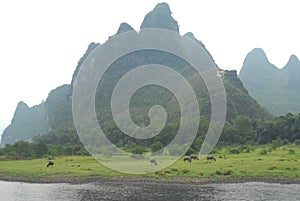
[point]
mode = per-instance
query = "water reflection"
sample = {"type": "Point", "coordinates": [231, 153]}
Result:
{"type": "Point", "coordinates": [149, 191]}
{"type": "Point", "coordinates": [145, 191]}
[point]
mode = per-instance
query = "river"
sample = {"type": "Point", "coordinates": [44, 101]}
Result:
{"type": "Point", "coordinates": [146, 191]}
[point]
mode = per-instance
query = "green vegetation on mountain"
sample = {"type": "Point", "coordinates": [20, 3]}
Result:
{"type": "Point", "coordinates": [58, 108]}
{"type": "Point", "coordinates": [239, 102]}
{"type": "Point", "coordinates": [274, 88]}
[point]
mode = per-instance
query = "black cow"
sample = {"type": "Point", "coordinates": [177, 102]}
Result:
{"type": "Point", "coordinates": [50, 163]}
{"type": "Point", "coordinates": [152, 160]}
{"type": "Point", "coordinates": [187, 158]}
{"type": "Point", "coordinates": [210, 158]}
{"type": "Point", "coordinates": [195, 157]}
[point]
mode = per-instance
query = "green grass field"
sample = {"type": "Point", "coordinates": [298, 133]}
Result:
{"type": "Point", "coordinates": [279, 163]}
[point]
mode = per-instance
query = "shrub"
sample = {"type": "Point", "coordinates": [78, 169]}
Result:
{"type": "Point", "coordinates": [174, 169]}
{"type": "Point", "coordinates": [191, 151]}
{"type": "Point", "coordinates": [156, 146]}
{"type": "Point", "coordinates": [224, 172]}
{"type": "Point", "coordinates": [284, 142]}
{"type": "Point", "coordinates": [56, 150]}
{"type": "Point", "coordinates": [263, 152]}
{"type": "Point", "coordinates": [272, 168]}
{"type": "Point", "coordinates": [234, 151]}
{"type": "Point", "coordinates": [138, 150]}
{"type": "Point", "coordinates": [291, 151]}
{"type": "Point", "coordinates": [246, 149]}
{"type": "Point", "coordinates": [297, 142]}
{"type": "Point", "coordinates": [275, 144]}
{"type": "Point", "coordinates": [68, 151]}
{"type": "Point", "coordinates": [270, 149]}
{"type": "Point", "coordinates": [83, 152]}
{"type": "Point", "coordinates": [227, 172]}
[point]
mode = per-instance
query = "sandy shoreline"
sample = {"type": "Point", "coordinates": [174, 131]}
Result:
{"type": "Point", "coordinates": [174, 180]}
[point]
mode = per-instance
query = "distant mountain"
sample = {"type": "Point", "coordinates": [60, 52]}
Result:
{"type": "Point", "coordinates": [276, 89]}
{"type": "Point", "coordinates": [26, 123]}
{"type": "Point", "coordinates": [58, 113]}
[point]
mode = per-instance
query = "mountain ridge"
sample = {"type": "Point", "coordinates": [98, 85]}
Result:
{"type": "Point", "coordinates": [58, 105]}
{"type": "Point", "coordinates": [160, 17]}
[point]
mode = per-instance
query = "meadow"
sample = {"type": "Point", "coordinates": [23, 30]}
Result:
{"type": "Point", "coordinates": [234, 162]}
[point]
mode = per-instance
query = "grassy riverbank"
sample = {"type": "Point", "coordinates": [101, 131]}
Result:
{"type": "Point", "coordinates": [262, 162]}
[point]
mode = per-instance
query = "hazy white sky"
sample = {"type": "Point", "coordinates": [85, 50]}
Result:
{"type": "Point", "coordinates": [42, 41]}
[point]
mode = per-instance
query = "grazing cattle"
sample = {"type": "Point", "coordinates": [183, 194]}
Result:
{"type": "Point", "coordinates": [210, 158]}
{"type": "Point", "coordinates": [187, 158]}
{"type": "Point", "coordinates": [194, 157]}
{"type": "Point", "coordinates": [50, 163]}
{"type": "Point", "coordinates": [153, 161]}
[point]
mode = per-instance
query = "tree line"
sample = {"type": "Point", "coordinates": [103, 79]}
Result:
{"type": "Point", "coordinates": [245, 130]}
{"type": "Point", "coordinates": [31, 150]}
{"type": "Point", "coordinates": [242, 131]}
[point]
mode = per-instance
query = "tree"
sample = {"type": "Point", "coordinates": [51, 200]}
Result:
{"type": "Point", "coordinates": [138, 150]}
{"type": "Point", "coordinates": [40, 149]}
{"type": "Point", "coordinates": [56, 150]}
{"type": "Point", "coordinates": [83, 152]}
{"type": "Point", "coordinates": [175, 150]}
{"type": "Point", "coordinates": [244, 129]}
{"type": "Point", "coordinates": [156, 146]}
{"type": "Point", "coordinates": [23, 149]}
{"type": "Point", "coordinates": [68, 151]}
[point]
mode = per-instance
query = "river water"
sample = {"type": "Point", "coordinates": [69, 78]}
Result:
{"type": "Point", "coordinates": [146, 191]}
